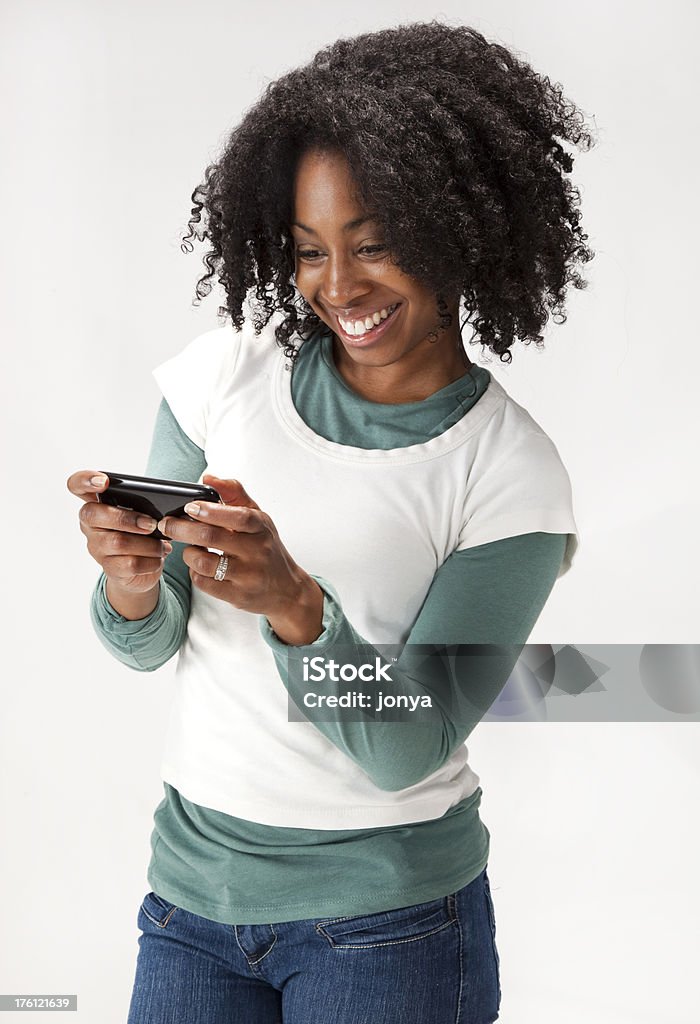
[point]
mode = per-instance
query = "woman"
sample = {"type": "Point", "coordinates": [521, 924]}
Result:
{"type": "Point", "coordinates": [385, 500]}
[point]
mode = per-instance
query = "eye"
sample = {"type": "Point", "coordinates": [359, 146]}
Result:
{"type": "Point", "coordinates": [311, 254]}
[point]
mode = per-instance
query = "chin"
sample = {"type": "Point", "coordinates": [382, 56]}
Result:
{"type": "Point", "coordinates": [370, 356]}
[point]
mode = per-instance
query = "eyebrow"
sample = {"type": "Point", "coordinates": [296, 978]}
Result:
{"type": "Point", "coordinates": [346, 227]}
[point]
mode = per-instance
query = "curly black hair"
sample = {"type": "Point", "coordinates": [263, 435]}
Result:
{"type": "Point", "coordinates": [454, 146]}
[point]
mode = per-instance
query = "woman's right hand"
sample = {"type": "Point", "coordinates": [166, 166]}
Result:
{"type": "Point", "coordinates": [118, 539]}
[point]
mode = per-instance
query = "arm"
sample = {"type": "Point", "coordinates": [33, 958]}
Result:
{"type": "Point", "coordinates": [146, 644]}
{"type": "Point", "coordinates": [491, 594]}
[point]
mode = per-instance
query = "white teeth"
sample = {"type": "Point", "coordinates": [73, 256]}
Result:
{"type": "Point", "coordinates": [358, 327]}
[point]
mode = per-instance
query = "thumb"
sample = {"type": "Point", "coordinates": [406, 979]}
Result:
{"type": "Point", "coordinates": [232, 491]}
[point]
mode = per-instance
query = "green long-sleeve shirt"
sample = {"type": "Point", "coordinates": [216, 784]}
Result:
{"type": "Point", "coordinates": [238, 871]}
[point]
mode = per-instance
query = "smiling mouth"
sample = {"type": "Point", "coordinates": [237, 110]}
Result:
{"type": "Point", "coordinates": [373, 332]}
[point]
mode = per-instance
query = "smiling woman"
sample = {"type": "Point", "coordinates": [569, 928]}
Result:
{"type": "Point", "coordinates": [456, 150]}
{"type": "Point", "coordinates": [385, 321]}
{"type": "Point", "coordinates": [386, 503]}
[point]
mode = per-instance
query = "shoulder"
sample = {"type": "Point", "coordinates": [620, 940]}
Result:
{"type": "Point", "coordinates": [216, 354]}
{"type": "Point", "coordinates": [514, 446]}
{"type": "Point", "coordinates": [196, 377]}
{"type": "Point", "coordinates": [216, 348]}
{"type": "Point", "coordinates": [517, 483]}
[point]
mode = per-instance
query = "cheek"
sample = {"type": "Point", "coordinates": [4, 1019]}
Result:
{"type": "Point", "coordinates": [425, 312]}
{"type": "Point", "coordinates": [304, 282]}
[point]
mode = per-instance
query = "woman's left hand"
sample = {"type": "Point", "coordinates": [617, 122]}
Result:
{"type": "Point", "coordinates": [261, 576]}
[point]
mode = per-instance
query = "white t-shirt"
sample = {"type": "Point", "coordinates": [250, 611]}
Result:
{"type": "Point", "coordinates": [376, 524]}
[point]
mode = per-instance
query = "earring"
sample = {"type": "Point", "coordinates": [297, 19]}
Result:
{"type": "Point", "coordinates": [445, 315]}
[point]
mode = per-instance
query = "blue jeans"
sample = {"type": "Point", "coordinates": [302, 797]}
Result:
{"type": "Point", "coordinates": [431, 963]}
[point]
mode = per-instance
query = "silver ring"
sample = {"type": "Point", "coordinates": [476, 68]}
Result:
{"type": "Point", "coordinates": [221, 568]}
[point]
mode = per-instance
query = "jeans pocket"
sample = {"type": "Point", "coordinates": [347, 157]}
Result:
{"type": "Point", "coordinates": [388, 927]}
{"type": "Point", "coordinates": [158, 910]}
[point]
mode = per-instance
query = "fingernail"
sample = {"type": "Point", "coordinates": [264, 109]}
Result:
{"type": "Point", "coordinates": [167, 546]}
{"type": "Point", "coordinates": [193, 509]}
{"type": "Point", "coordinates": [145, 522]}
{"type": "Point", "coordinates": [98, 481]}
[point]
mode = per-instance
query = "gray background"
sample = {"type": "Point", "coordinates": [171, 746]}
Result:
{"type": "Point", "coordinates": [111, 112]}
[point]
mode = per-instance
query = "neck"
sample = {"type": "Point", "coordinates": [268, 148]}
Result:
{"type": "Point", "coordinates": [413, 378]}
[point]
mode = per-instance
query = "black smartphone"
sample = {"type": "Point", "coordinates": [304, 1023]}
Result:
{"type": "Point", "coordinates": [154, 497]}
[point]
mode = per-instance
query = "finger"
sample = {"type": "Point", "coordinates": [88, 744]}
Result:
{"type": "Point", "coordinates": [239, 519]}
{"type": "Point", "coordinates": [87, 484]}
{"type": "Point", "coordinates": [108, 543]}
{"type": "Point", "coordinates": [95, 516]}
{"type": "Point", "coordinates": [239, 591]}
{"type": "Point", "coordinates": [188, 531]}
{"type": "Point", "coordinates": [125, 567]}
{"type": "Point", "coordinates": [206, 563]}
{"type": "Point", "coordinates": [232, 491]}
{"type": "Point", "coordinates": [210, 586]}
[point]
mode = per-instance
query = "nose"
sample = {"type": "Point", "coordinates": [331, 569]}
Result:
{"type": "Point", "coordinates": [342, 281]}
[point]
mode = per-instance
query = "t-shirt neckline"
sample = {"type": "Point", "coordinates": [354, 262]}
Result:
{"type": "Point", "coordinates": [423, 451]}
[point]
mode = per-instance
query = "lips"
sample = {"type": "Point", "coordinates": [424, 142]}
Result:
{"type": "Point", "coordinates": [370, 336]}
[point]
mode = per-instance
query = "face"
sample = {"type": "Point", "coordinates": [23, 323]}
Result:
{"type": "Point", "coordinates": [378, 314]}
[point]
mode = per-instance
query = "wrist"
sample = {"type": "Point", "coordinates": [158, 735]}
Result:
{"type": "Point", "coordinates": [131, 605]}
{"type": "Point", "coordinates": [299, 621]}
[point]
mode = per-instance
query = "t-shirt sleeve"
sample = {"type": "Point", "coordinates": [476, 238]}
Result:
{"type": "Point", "coordinates": [189, 381]}
{"type": "Point", "coordinates": [527, 491]}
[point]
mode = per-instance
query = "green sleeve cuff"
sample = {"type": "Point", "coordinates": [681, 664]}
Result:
{"type": "Point", "coordinates": [112, 623]}
{"type": "Point", "coordinates": [142, 644]}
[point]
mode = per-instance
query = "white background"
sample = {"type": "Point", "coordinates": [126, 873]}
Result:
{"type": "Point", "coordinates": [111, 111]}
